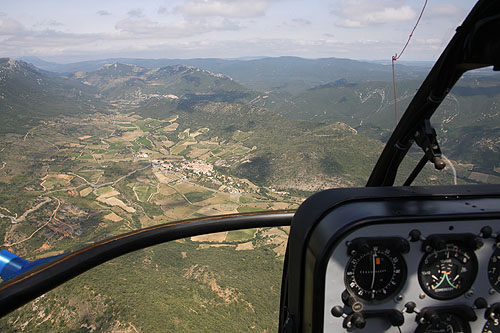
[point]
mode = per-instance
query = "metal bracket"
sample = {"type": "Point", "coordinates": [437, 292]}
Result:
{"type": "Point", "coordinates": [426, 138]}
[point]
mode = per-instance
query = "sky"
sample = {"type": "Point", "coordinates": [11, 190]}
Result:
{"type": "Point", "coordinates": [69, 31]}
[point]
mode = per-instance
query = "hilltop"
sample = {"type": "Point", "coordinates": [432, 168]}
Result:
{"type": "Point", "coordinates": [136, 84]}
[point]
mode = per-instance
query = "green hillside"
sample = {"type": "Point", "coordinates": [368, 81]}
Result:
{"type": "Point", "coordinates": [288, 154]}
{"type": "Point", "coordinates": [29, 95]}
{"type": "Point", "coordinates": [467, 122]}
{"type": "Point", "coordinates": [175, 287]}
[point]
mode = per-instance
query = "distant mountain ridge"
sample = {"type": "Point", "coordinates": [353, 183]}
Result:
{"type": "Point", "coordinates": [287, 74]}
{"type": "Point", "coordinates": [137, 84]}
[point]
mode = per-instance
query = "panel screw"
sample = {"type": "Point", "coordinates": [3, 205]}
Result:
{"type": "Point", "coordinates": [357, 307]}
{"type": "Point", "coordinates": [421, 296]}
{"type": "Point", "coordinates": [415, 235]}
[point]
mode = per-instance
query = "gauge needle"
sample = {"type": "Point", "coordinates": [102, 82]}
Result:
{"type": "Point", "coordinates": [373, 275]}
{"type": "Point", "coordinates": [450, 282]}
{"type": "Point", "coordinates": [444, 276]}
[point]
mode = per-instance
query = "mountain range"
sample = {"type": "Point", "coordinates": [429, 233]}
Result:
{"type": "Point", "coordinates": [284, 74]}
{"type": "Point", "coordinates": [323, 91]}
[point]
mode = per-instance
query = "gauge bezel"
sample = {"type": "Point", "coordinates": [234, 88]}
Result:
{"type": "Point", "coordinates": [400, 277]}
{"type": "Point", "coordinates": [466, 286]}
{"type": "Point", "coordinates": [454, 318]}
{"type": "Point", "coordinates": [487, 329]}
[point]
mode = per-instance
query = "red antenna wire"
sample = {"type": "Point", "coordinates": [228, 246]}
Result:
{"type": "Point", "coordinates": [396, 57]}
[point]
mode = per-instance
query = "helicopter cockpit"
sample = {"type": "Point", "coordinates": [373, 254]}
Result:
{"type": "Point", "coordinates": [382, 258]}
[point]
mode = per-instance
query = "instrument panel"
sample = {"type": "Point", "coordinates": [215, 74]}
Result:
{"type": "Point", "coordinates": [415, 277]}
{"type": "Point", "coordinates": [420, 259]}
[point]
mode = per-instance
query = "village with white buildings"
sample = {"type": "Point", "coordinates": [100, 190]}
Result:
{"type": "Point", "coordinates": [204, 169]}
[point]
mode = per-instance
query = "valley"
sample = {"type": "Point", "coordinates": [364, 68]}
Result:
{"type": "Point", "coordinates": [128, 171]}
{"type": "Point", "coordinates": [123, 175]}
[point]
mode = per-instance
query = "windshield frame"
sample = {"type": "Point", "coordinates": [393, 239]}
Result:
{"type": "Point", "coordinates": [473, 46]}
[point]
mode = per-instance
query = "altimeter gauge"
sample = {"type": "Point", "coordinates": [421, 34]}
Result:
{"type": "Point", "coordinates": [375, 274]}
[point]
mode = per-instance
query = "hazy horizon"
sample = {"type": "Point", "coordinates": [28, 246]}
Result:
{"type": "Point", "coordinates": [243, 58]}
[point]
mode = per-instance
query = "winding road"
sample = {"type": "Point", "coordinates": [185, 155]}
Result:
{"type": "Point", "coordinates": [31, 210]}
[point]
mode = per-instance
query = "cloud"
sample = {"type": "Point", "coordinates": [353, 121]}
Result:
{"type": "Point", "coordinates": [103, 13]}
{"type": "Point", "coordinates": [179, 29]}
{"type": "Point", "coordinates": [54, 23]}
{"type": "Point", "coordinates": [9, 26]}
{"type": "Point", "coordinates": [363, 13]}
{"type": "Point", "coordinates": [69, 47]}
{"type": "Point", "coordinates": [301, 22]}
{"type": "Point", "coordinates": [47, 24]}
{"type": "Point", "coordinates": [429, 41]}
{"type": "Point", "coordinates": [198, 28]}
{"type": "Point", "coordinates": [43, 42]}
{"type": "Point", "coordinates": [347, 23]}
{"type": "Point", "coordinates": [135, 26]}
{"type": "Point", "coordinates": [224, 8]}
{"type": "Point", "coordinates": [387, 15]}
{"type": "Point", "coordinates": [137, 13]}
{"type": "Point", "coordinates": [131, 34]}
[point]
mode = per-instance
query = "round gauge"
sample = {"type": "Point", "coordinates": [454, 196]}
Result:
{"type": "Point", "coordinates": [491, 326]}
{"type": "Point", "coordinates": [375, 275]}
{"type": "Point", "coordinates": [494, 270]}
{"type": "Point", "coordinates": [447, 273]}
{"type": "Point", "coordinates": [448, 323]}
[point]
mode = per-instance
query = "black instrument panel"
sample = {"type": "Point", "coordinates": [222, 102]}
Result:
{"type": "Point", "coordinates": [396, 260]}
